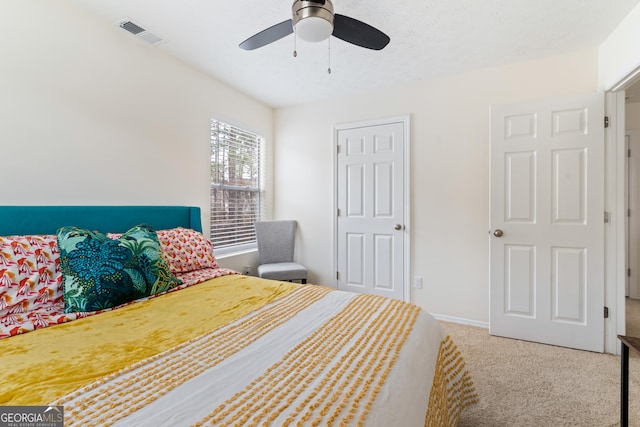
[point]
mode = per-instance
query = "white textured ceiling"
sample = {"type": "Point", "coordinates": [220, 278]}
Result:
{"type": "Point", "coordinates": [429, 38]}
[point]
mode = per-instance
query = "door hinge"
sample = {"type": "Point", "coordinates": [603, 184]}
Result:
{"type": "Point", "coordinates": [629, 153]}
{"type": "Point", "coordinates": [629, 213]}
{"type": "Point", "coordinates": [338, 212]}
{"type": "Point", "coordinates": [606, 121]}
{"type": "Point", "coordinates": [628, 272]}
{"type": "Point", "coordinates": [606, 217]}
{"type": "Point", "coordinates": [337, 149]}
{"type": "Point", "coordinates": [337, 275]}
{"type": "Point", "coordinates": [606, 312]}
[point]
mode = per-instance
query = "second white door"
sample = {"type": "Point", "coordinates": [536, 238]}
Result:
{"type": "Point", "coordinates": [370, 224]}
{"type": "Point", "coordinates": [547, 221]}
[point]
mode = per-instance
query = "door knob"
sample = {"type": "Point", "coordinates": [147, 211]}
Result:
{"type": "Point", "coordinates": [397, 227]}
{"type": "Point", "coordinates": [498, 233]}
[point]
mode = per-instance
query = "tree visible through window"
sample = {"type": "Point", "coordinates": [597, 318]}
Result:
{"type": "Point", "coordinates": [237, 195]}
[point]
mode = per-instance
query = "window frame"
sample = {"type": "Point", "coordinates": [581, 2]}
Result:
{"type": "Point", "coordinates": [259, 188]}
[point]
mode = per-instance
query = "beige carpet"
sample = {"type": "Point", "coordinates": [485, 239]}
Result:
{"type": "Point", "coordinates": [526, 384]}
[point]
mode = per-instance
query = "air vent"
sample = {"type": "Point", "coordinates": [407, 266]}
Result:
{"type": "Point", "coordinates": [138, 31]}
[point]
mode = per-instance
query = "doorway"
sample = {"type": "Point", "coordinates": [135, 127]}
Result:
{"type": "Point", "coordinates": [632, 203]}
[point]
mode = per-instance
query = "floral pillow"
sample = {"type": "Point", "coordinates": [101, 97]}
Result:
{"type": "Point", "coordinates": [29, 274]}
{"type": "Point", "coordinates": [186, 250]}
{"type": "Point", "coordinates": [100, 272]}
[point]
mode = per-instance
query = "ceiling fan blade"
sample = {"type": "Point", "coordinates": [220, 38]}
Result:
{"type": "Point", "coordinates": [358, 33]}
{"type": "Point", "coordinates": [269, 35]}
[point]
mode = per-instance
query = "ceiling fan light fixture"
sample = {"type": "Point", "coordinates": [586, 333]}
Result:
{"type": "Point", "coordinates": [314, 29]}
{"type": "Point", "coordinates": [313, 20]}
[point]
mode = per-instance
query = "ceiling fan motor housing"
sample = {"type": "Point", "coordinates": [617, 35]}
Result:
{"type": "Point", "coordinates": [313, 20]}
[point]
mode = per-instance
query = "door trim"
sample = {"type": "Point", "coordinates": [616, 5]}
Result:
{"type": "Point", "coordinates": [615, 244]}
{"type": "Point", "coordinates": [406, 185]}
{"type": "Point", "coordinates": [632, 222]}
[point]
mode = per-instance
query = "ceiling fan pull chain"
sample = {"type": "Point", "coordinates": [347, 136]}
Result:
{"type": "Point", "coordinates": [295, 44]}
{"type": "Point", "coordinates": [329, 55]}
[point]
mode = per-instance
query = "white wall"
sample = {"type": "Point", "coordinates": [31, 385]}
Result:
{"type": "Point", "coordinates": [450, 171]}
{"type": "Point", "coordinates": [620, 53]}
{"type": "Point", "coordinates": [91, 115]}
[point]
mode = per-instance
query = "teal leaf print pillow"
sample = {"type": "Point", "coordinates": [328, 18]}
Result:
{"type": "Point", "coordinates": [99, 272]}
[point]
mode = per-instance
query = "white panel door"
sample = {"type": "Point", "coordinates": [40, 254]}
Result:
{"type": "Point", "coordinates": [547, 221]}
{"type": "Point", "coordinates": [371, 209]}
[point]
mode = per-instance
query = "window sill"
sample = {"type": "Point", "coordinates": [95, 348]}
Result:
{"type": "Point", "coordinates": [232, 253]}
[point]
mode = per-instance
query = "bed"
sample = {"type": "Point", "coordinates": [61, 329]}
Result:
{"type": "Point", "coordinates": [213, 348]}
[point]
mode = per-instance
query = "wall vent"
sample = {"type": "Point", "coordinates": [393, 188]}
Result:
{"type": "Point", "coordinates": [138, 31]}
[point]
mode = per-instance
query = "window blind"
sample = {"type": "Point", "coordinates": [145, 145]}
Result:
{"type": "Point", "coordinates": [237, 190]}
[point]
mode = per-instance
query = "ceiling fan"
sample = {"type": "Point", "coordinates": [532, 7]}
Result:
{"type": "Point", "coordinates": [314, 21]}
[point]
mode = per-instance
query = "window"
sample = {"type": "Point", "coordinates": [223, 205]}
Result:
{"type": "Point", "coordinates": [237, 190]}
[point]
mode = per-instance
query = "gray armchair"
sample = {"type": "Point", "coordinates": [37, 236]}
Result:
{"type": "Point", "coordinates": [276, 243]}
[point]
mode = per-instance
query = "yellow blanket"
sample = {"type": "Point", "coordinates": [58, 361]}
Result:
{"type": "Point", "coordinates": [236, 350]}
{"type": "Point", "coordinates": [43, 365]}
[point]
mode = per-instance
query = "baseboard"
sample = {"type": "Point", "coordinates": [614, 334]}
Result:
{"type": "Point", "coordinates": [463, 321]}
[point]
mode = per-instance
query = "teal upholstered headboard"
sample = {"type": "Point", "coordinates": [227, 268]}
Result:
{"type": "Point", "coordinates": [16, 220]}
